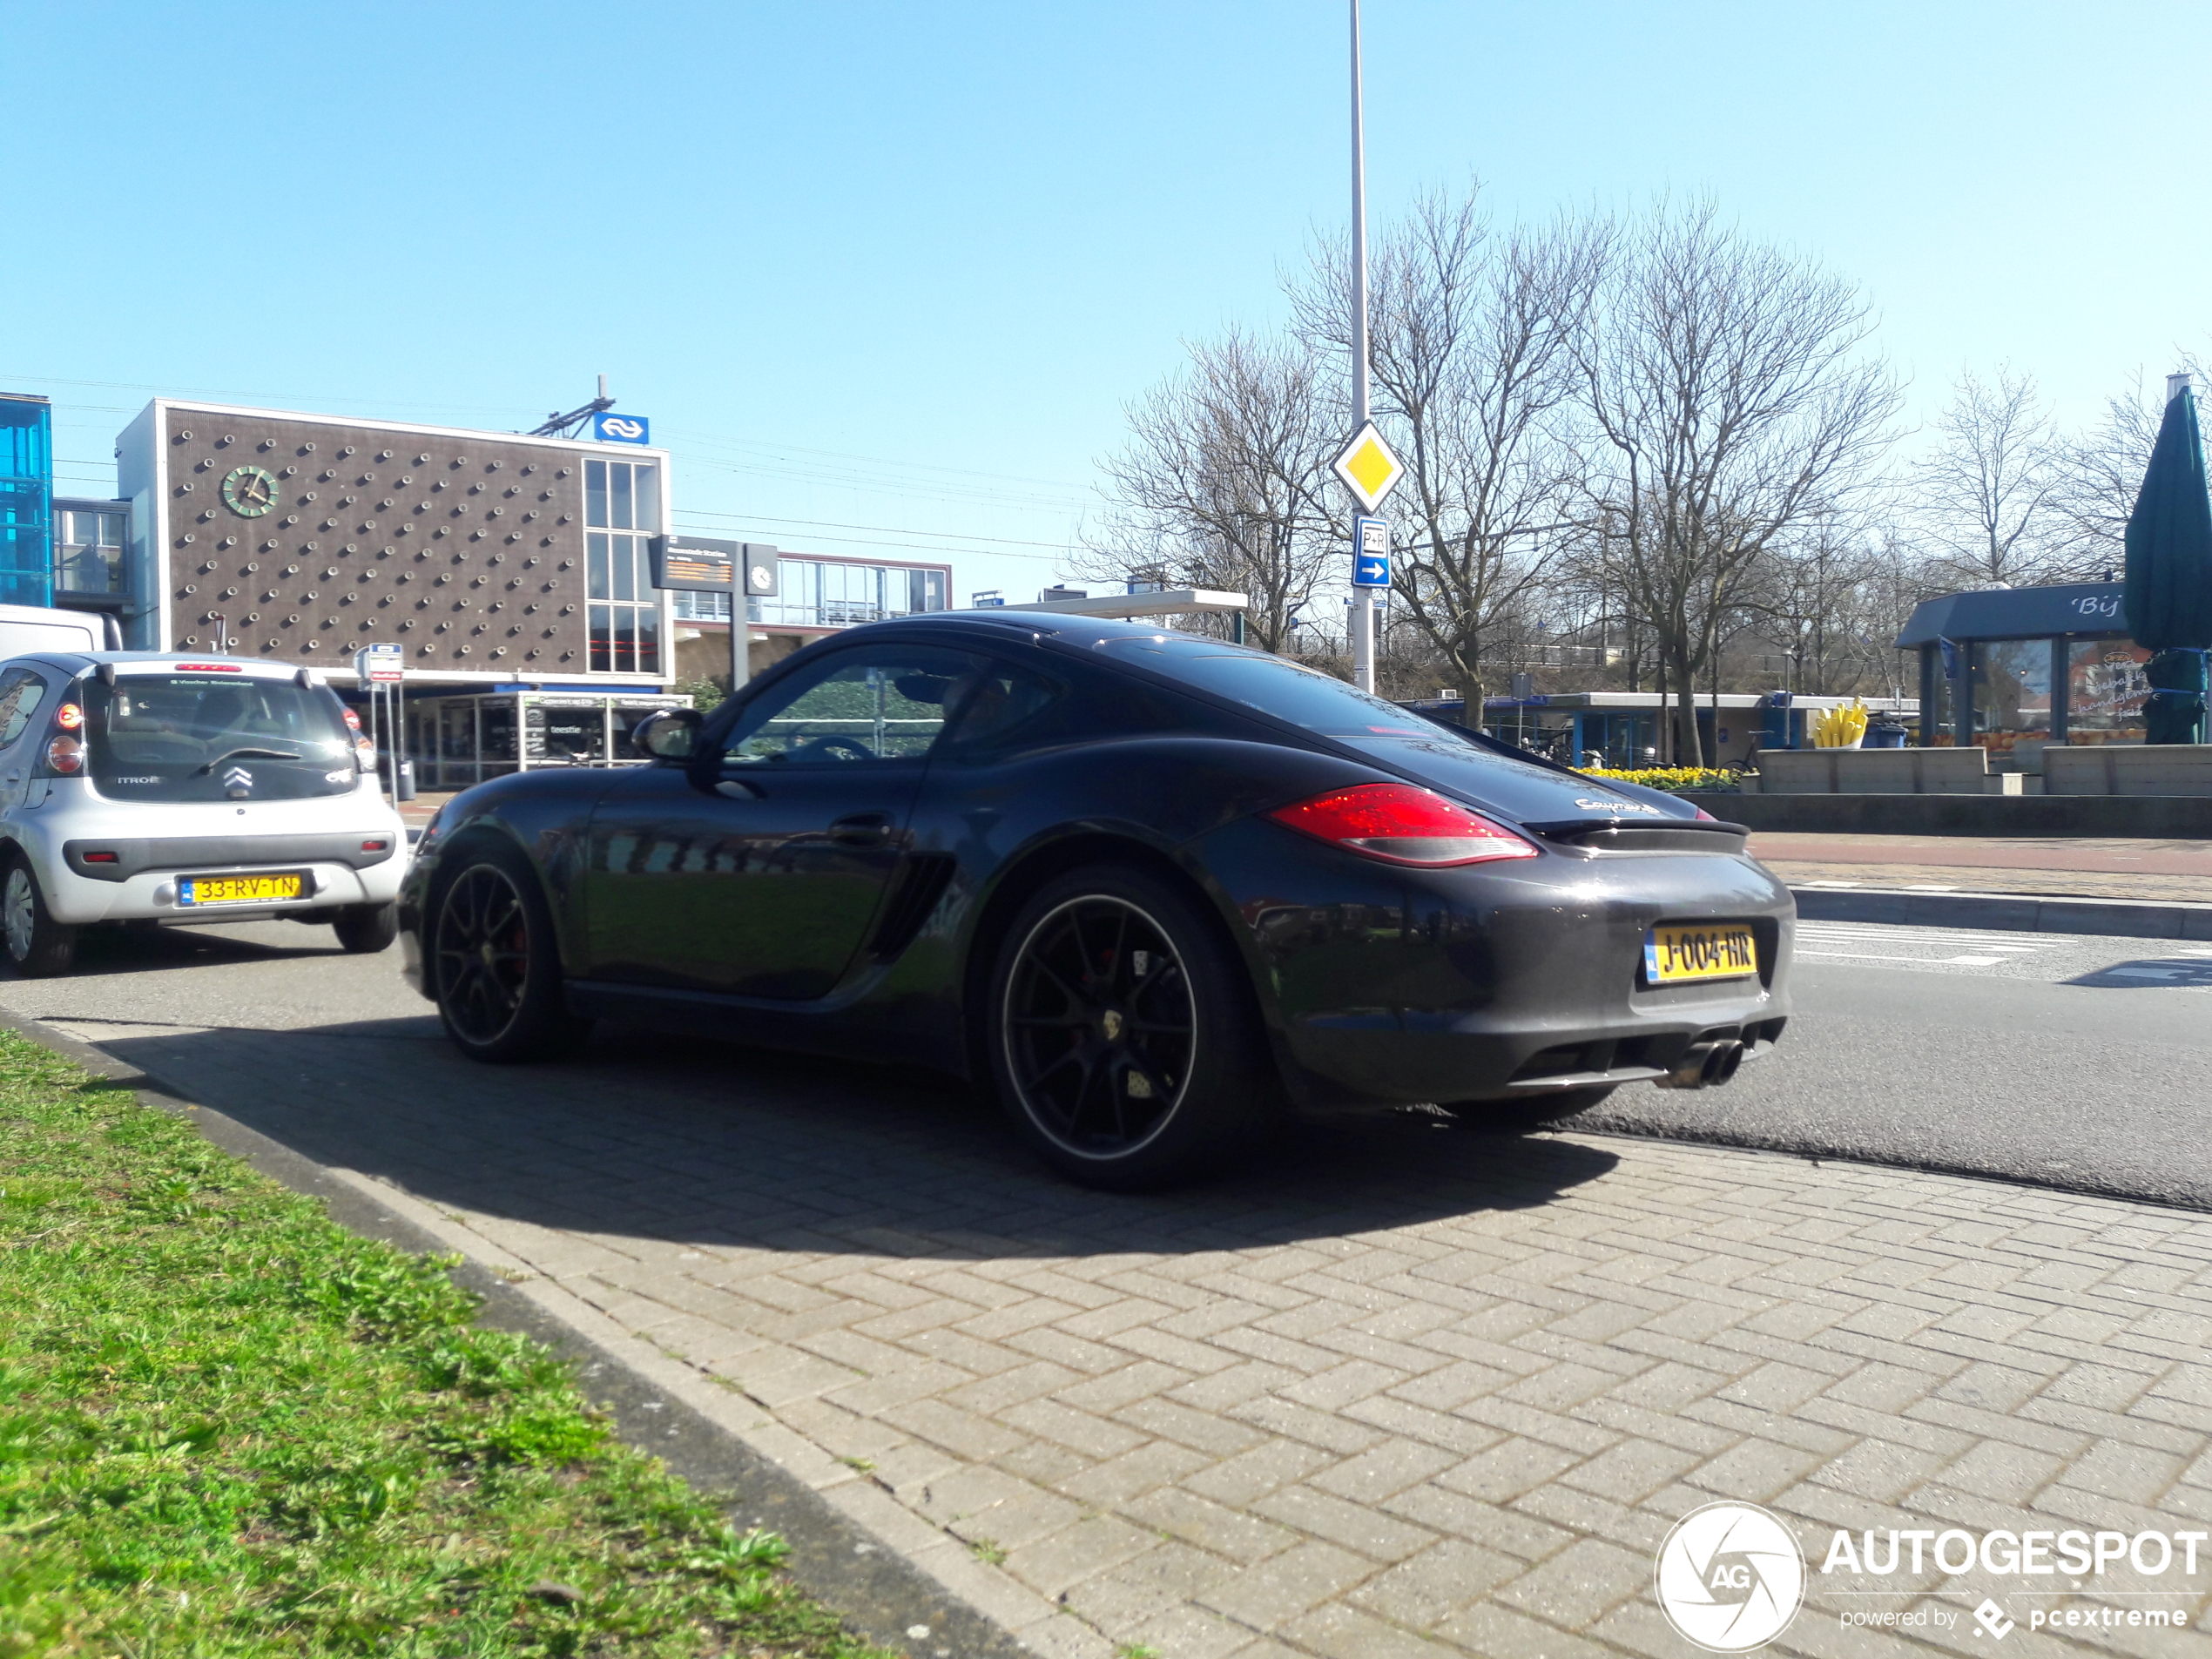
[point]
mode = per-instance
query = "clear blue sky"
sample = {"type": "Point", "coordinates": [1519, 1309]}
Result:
{"type": "Point", "coordinates": [899, 265]}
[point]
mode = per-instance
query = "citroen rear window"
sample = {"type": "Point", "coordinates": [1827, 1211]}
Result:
{"type": "Point", "coordinates": [209, 736]}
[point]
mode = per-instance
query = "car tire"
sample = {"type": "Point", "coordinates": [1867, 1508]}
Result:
{"type": "Point", "coordinates": [38, 946]}
{"type": "Point", "coordinates": [1088, 1030]}
{"type": "Point", "coordinates": [364, 929]}
{"type": "Point", "coordinates": [494, 962]}
{"type": "Point", "coordinates": [1529, 1112]}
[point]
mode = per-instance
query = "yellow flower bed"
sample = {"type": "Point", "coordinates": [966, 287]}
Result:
{"type": "Point", "coordinates": [1673, 779]}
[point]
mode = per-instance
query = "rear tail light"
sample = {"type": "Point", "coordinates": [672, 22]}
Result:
{"type": "Point", "coordinates": [1402, 824]}
{"type": "Point", "coordinates": [66, 756]}
{"type": "Point", "coordinates": [69, 717]}
{"type": "Point", "coordinates": [102, 858]}
{"type": "Point", "coordinates": [375, 847]}
{"type": "Point", "coordinates": [1707, 816]}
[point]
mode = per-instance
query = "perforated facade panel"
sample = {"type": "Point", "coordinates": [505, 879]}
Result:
{"type": "Point", "coordinates": [309, 539]}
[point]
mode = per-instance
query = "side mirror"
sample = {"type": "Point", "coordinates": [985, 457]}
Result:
{"type": "Point", "coordinates": [670, 734]}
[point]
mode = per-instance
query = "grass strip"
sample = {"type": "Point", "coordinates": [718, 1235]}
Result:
{"type": "Point", "coordinates": [228, 1426]}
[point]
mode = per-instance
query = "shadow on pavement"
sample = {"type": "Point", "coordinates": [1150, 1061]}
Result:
{"type": "Point", "coordinates": [646, 1135]}
{"type": "Point", "coordinates": [151, 950]}
{"type": "Point", "coordinates": [2182, 973]}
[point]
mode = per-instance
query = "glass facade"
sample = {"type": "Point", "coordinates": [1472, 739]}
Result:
{"type": "Point", "coordinates": [2065, 689]}
{"type": "Point", "coordinates": [1939, 711]}
{"type": "Point", "coordinates": [816, 593]}
{"type": "Point", "coordinates": [89, 551]}
{"type": "Point", "coordinates": [457, 741]}
{"type": "Point", "coordinates": [701, 607]}
{"type": "Point", "coordinates": [26, 500]}
{"type": "Point", "coordinates": [2105, 691]}
{"type": "Point", "coordinates": [2011, 690]}
{"type": "Point", "coordinates": [621, 512]}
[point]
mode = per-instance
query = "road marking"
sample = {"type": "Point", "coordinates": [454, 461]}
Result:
{"type": "Point", "coordinates": [1830, 934]}
{"type": "Point", "coordinates": [1930, 961]}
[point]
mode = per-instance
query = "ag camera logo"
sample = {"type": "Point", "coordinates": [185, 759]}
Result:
{"type": "Point", "coordinates": [1731, 1577]}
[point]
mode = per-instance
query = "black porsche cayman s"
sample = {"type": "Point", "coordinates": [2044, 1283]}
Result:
{"type": "Point", "coordinates": [1148, 886]}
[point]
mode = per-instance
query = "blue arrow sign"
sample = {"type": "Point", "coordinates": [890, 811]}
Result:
{"type": "Point", "coordinates": [1371, 571]}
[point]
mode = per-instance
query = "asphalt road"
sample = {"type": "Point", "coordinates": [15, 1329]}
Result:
{"type": "Point", "coordinates": [2076, 1062]}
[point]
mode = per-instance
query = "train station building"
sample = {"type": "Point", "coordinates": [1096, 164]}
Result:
{"type": "Point", "coordinates": [513, 570]}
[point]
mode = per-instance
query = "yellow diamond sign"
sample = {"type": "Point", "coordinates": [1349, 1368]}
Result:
{"type": "Point", "coordinates": [1368, 467]}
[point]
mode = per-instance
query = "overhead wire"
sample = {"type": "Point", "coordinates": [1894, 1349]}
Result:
{"type": "Point", "coordinates": [937, 483]}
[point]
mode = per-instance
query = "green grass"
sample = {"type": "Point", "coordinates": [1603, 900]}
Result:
{"type": "Point", "coordinates": [227, 1427]}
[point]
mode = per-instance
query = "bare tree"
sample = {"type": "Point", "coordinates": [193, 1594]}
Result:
{"type": "Point", "coordinates": [1730, 405]}
{"type": "Point", "coordinates": [1222, 483]}
{"type": "Point", "coordinates": [2098, 474]}
{"type": "Point", "coordinates": [1470, 357]}
{"type": "Point", "coordinates": [1834, 601]}
{"type": "Point", "coordinates": [1982, 493]}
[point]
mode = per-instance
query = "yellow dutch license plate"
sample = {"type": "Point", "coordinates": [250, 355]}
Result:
{"type": "Point", "coordinates": [1674, 955]}
{"type": "Point", "coordinates": [198, 892]}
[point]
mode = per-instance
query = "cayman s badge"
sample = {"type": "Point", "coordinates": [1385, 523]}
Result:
{"type": "Point", "coordinates": [1611, 805]}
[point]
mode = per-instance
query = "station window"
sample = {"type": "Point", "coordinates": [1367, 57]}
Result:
{"type": "Point", "coordinates": [88, 549]}
{"type": "Point", "coordinates": [821, 593]}
{"type": "Point", "coordinates": [702, 607]}
{"type": "Point", "coordinates": [622, 497]}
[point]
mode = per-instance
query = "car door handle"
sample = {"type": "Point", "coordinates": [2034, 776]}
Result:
{"type": "Point", "coordinates": [861, 829]}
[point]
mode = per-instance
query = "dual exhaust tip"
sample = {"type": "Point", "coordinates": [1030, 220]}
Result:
{"type": "Point", "coordinates": [1705, 1065]}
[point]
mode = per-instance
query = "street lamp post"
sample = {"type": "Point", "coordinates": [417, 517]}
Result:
{"type": "Point", "coordinates": [1362, 606]}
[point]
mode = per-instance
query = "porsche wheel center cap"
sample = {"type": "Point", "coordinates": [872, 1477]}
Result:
{"type": "Point", "coordinates": [1110, 1024]}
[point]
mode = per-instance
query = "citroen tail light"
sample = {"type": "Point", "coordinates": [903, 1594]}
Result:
{"type": "Point", "coordinates": [1400, 824]}
{"type": "Point", "coordinates": [66, 756]}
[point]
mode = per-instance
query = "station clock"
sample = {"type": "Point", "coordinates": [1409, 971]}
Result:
{"type": "Point", "coordinates": [250, 491]}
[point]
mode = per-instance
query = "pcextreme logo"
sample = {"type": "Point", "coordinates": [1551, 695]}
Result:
{"type": "Point", "coordinates": [1731, 1577]}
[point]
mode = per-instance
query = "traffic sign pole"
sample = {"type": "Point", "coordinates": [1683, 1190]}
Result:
{"type": "Point", "coordinates": [1363, 611]}
{"type": "Point", "coordinates": [379, 670]}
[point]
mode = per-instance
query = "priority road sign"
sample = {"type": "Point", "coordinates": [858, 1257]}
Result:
{"type": "Point", "coordinates": [1368, 468]}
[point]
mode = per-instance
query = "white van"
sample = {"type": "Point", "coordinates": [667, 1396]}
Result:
{"type": "Point", "coordinates": [26, 628]}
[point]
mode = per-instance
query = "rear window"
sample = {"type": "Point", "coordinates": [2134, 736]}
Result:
{"type": "Point", "coordinates": [215, 737]}
{"type": "Point", "coordinates": [1276, 686]}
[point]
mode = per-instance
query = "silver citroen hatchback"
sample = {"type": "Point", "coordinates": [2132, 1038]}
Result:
{"type": "Point", "coordinates": [142, 787]}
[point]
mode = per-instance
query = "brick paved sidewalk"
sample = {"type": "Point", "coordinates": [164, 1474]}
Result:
{"type": "Point", "coordinates": [1402, 1390]}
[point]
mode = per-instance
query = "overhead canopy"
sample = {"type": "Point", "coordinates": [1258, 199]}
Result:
{"type": "Point", "coordinates": [2018, 613]}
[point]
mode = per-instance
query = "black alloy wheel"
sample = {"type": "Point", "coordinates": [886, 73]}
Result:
{"type": "Point", "coordinates": [495, 963]}
{"type": "Point", "coordinates": [1101, 1028]}
{"type": "Point", "coordinates": [1127, 1048]}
